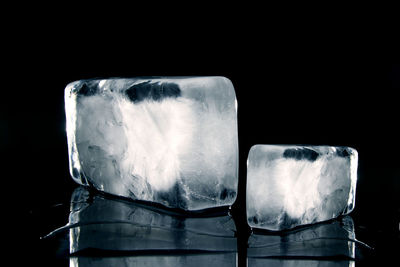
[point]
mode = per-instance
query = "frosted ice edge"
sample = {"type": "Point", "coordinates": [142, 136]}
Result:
{"type": "Point", "coordinates": [289, 186]}
{"type": "Point", "coordinates": [168, 140]}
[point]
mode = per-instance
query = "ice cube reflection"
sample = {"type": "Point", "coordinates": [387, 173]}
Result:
{"type": "Point", "coordinates": [109, 224]}
{"type": "Point", "coordinates": [228, 259]}
{"type": "Point", "coordinates": [331, 244]}
{"type": "Point", "coordinates": [256, 262]}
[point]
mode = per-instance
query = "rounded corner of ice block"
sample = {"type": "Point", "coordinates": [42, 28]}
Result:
{"type": "Point", "coordinates": [349, 209]}
{"type": "Point", "coordinates": [247, 159]}
{"type": "Point", "coordinates": [233, 200]}
{"type": "Point", "coordinates": [249, 216]}
{"type": "Point", "coordinates": [76, 179]}
{"type": "Point", "coordinates": [253, 148]}
{"type": "Point", "coordinates": [75, 174]}
{"type": "Point", "coordinates": [249, 224]}
{"type": "Point", "coordinates": [353, 151]}
{"type": "Point", "coordinates": [226, 81]}
{"type": "Point", "coordinates": [71, 86]}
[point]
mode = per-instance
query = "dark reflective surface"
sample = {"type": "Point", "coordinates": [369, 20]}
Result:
{"type": "Point", "coordinates": [107, 231]}
{"type": "Point", "coordinates": [330, 243]}
{"type": "Point", "coordinates": [113, 224]}
{"type": "Point", "coordinates": [94, 229]}
{"type": "Point", "coordinates": [351, 101]}
{"type": "Point", "coordinates": [256, 262]}
{"type": "Point", "coordinates": [330, 239]}
{"type": "Point", "coordinates": [204, 259]}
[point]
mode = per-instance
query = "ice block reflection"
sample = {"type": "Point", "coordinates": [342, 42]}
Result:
{"type": "Point", "coordinates": [97, 222]}
{"type": "Point", "coordinates": [257, 262]}
{"type": "Point", "coordinates": [333, 242]}
{"type": "Point", "coordinates": [227, 259]}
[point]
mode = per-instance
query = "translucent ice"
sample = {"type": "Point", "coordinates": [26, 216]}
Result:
{"type": "Point", "coordinates": [288, 186]}
{"type": "Point", "coordinates": [168, 140]}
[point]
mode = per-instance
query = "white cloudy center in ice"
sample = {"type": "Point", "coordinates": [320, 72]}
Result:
{"type": "Point", "coordinates": [285, 192]}
{"type": "Point", "coordinates": [157, 133]}
{"type": "Point", "coordinates": [178, 150]}
{"type": "Point", "coordinates": [302, 195]}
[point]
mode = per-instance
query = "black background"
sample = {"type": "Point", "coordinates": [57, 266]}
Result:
{"type": "Point", "coordinates": [292, 87]}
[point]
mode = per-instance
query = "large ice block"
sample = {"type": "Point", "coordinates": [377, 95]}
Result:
{"type": "Point", "coordinates": [172, 141]}
{"type": "Point", "coordinates": [289, 186]}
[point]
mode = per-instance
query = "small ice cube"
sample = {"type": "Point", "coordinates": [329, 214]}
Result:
{"type": "Point", "coordinates": [289, 186]}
